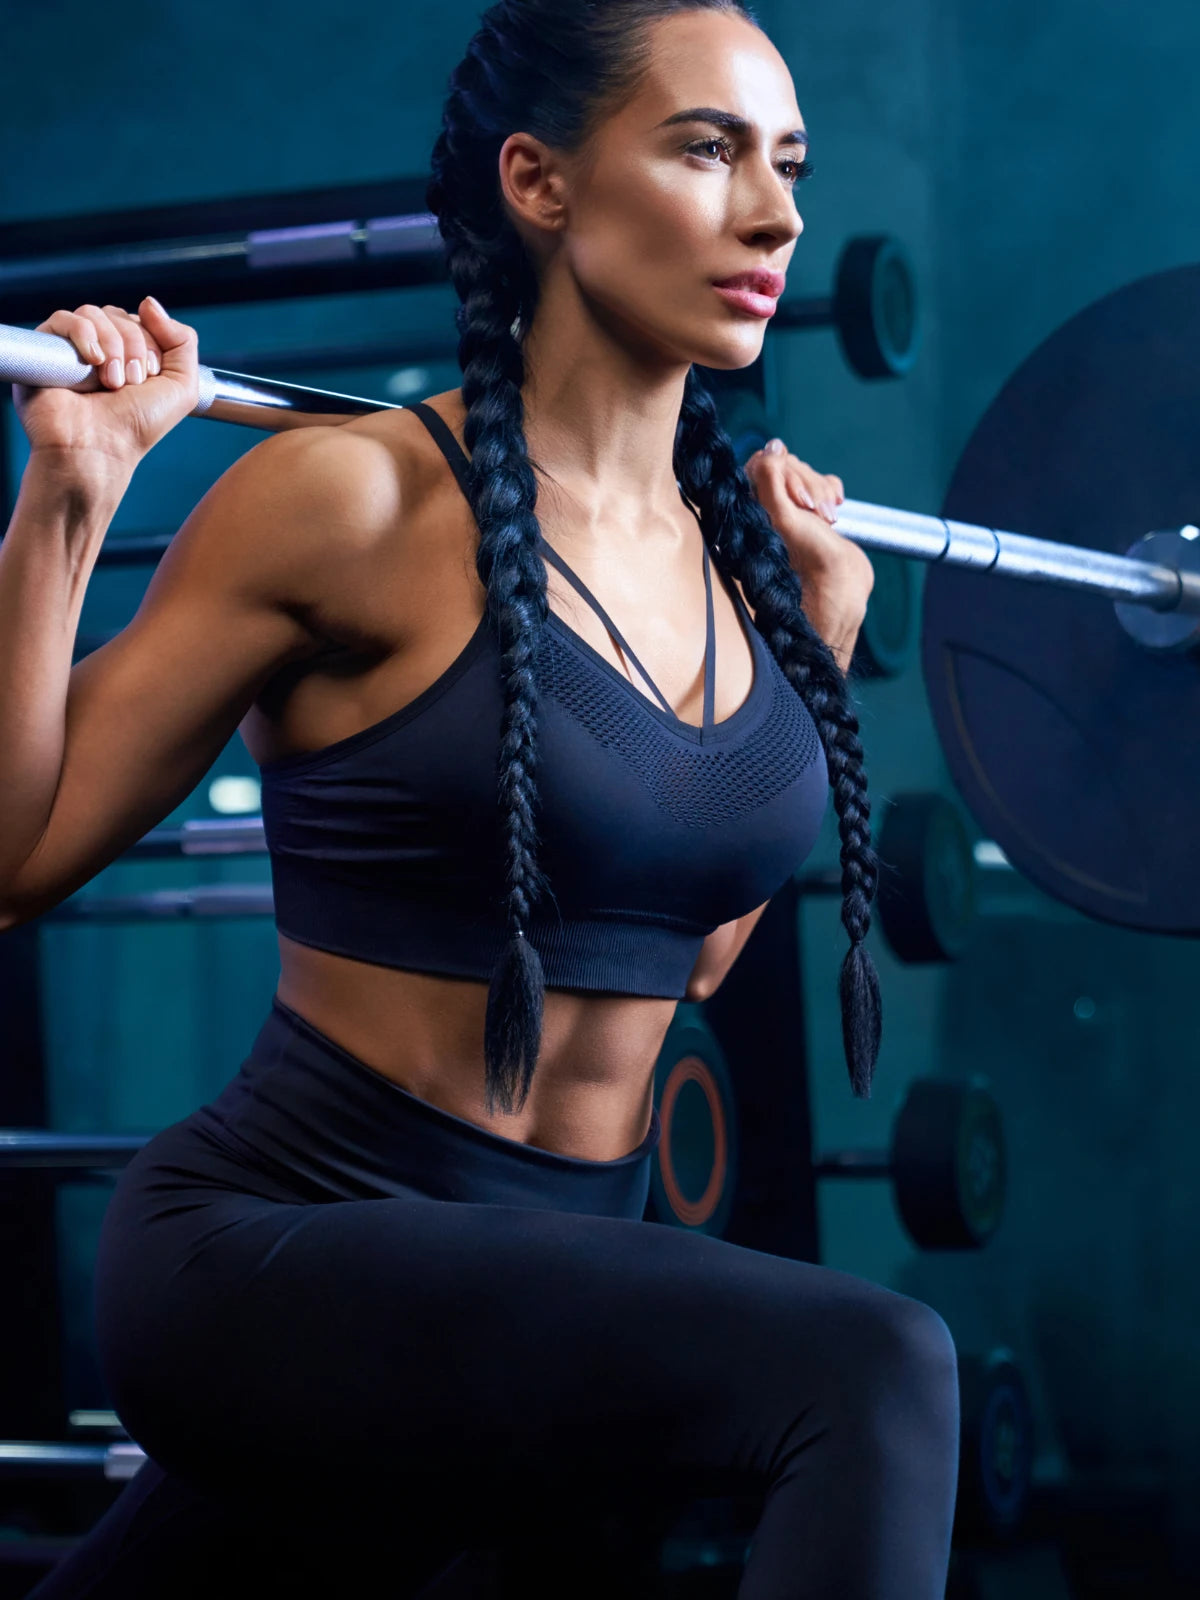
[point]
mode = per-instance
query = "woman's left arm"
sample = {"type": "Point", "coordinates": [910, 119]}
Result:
{"type": "Point", "coordinates": [835, 574]}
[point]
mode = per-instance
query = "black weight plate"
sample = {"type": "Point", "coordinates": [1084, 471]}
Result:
{"type": "Point", "coordinates": [996, 1452]}
{"type": "Point", "coordinates": [875, 307]}
{"type": "Point", "coordinates": [926, 878]}
{"type": "Point", "coordinates": [885, 641]}
{"type": "Point", "coordinates": [1072, 744]}
{"type": "Point", "coordinates": [948, 1163]}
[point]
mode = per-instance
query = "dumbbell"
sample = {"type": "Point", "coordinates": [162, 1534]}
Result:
{"type": "Point", "coordinates": [873, 307]}
{"type": "Point", "coordinates": [946, 1162]}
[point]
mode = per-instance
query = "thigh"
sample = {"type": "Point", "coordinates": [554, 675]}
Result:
{"type": "Point", "coordinates": [415, 1355]}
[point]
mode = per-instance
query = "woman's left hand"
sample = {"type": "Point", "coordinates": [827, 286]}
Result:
{"type": "Point", "coordinates": [836, 574]}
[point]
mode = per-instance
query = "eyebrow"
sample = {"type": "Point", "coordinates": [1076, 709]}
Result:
{"type": "Point", "coordinates": [733, 124]}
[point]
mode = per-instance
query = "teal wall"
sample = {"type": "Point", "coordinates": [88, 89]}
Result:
{"type": "Point", "coordinates": [1032, 157]}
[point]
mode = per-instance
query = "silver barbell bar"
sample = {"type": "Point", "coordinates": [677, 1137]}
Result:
{"type": "Point", "coordinates": [46, 360]}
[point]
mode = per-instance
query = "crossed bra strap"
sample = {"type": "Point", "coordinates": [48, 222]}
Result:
{"type": "Point", "coordinates": [459, 464]}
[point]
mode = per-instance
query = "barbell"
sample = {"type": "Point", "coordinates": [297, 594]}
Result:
{"type": "Point", "coordinates": [1152, 579]}
{"type": "Point", "coordinates": [1061, 723]}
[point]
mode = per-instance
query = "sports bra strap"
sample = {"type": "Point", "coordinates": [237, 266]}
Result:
{"type": "Point", "coordinates": [460, 463]}
{"type": "Point", "coordinates": [457, 458]}
{"type": "Point", "coordinates": [555, 560]}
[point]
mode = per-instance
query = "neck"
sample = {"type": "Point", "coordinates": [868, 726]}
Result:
{"type": "Point", "coordinates": [600, 419]}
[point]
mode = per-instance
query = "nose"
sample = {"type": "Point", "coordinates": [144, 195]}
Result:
{"type": "Point", "coordinates": [768, 208]}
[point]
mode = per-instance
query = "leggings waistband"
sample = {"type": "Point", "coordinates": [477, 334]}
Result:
{"type": "Point", "coordinates": [312, 1109]}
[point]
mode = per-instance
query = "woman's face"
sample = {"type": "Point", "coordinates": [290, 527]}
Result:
{"type": "Point", "coordinates": [659, 208]}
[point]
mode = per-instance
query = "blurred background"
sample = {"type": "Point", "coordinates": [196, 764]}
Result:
{"type": "Point", "coordinates": [1022, 161]}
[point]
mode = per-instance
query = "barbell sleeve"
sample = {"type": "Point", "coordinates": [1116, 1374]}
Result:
{"type": "Point", "coordinates": [48, 360]}
{"type": "Point", "coordinates": [1017, 555]}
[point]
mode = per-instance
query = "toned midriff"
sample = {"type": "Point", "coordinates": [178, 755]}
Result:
{"type": "Point", "coordinates": [592, 1092]}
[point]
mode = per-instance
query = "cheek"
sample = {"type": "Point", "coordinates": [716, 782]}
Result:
{"type": "Point", "coordinates": [643, 230]}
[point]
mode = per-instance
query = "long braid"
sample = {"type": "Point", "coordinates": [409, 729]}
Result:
{"type": "Point", "coordinates": [494, 286]}
{"type": "Point", "coordinates": [746, 547]}
{"type": "Point", "coordinates": [548, 67]}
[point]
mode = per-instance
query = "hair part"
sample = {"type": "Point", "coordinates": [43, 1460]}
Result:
{"type": "Point", "coordinates": [554, 69]}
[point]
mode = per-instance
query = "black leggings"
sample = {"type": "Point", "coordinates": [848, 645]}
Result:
{"type": "Point", "coordinates": [339, 1318]}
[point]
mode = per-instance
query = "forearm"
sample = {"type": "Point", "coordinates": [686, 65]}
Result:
{"type": "Point", "coordinates": [63, 510]}
{"type": "Point", "coordinates": [835, 603]}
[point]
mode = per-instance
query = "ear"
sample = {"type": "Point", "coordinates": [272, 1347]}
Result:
{"type": "Point", "coordinates": [533, 184]}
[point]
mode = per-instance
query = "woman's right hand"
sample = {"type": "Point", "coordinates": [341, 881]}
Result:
{"type": "Point", "coordinates": [149, 379]}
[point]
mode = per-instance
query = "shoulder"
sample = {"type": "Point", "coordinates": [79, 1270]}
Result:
{"type": "Point", "coordinates": [307, 504]}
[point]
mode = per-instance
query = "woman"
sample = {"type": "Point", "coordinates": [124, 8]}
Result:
{"type": "Point", "coordinates": [392, 1285]}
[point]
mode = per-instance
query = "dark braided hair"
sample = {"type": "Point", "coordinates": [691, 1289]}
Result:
{"type": "Point", "coordinates": [552, 68]}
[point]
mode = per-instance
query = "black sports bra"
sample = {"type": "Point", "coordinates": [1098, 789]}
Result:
{"type": "Point", "coordinates": [385, 846]}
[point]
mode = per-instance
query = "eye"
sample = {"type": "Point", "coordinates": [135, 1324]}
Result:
{"type": "Point", "coordinates": [701, 144]}
{"type": "Point", "coordinates": [804, 169]}
{"type": "Point", "coordinates": [791, 171]}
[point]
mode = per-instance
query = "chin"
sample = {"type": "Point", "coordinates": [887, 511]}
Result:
{"type": "Point", "coordinates": [727, 356]}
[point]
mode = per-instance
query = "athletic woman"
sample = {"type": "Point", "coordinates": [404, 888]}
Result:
{"type": "Point", "coordinates": [389, 1297]}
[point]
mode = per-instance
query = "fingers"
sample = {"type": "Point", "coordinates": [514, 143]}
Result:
{"type": "Point", "coordinates": [177, 342]}
{"type": "Point", "coordinates": [816, 491]}
{"type": "Point", "coordinates": [115, 341]}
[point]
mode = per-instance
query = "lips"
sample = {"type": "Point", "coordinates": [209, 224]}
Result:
{"type": "Point", "coordinates": [760, 281]}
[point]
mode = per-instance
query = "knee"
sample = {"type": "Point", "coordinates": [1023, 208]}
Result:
{"type": "Point", "coordinates": [902, 1349]}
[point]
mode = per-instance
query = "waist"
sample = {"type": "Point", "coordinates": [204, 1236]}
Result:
{"type": "Point", "coordinates": [314, 1113]}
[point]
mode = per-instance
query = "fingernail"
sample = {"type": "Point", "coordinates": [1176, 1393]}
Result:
{"type": "Point", "coordinates": [774, 447]}
{"type": "Point", "coordinates": [829, 510]}
{"type": "Point", "coordinates": [95, 351]}
{"type": "Point", "coordinates": [152, 363]}
{"type": "Point", "coordinates": [134, 369]}
{"type": "Point", "coordinates": [157, 304]}
{"type": "Point", "coordinates": [115, 371]}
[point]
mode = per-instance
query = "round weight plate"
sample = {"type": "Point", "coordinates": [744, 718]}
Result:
{"type": "Point", "coordinates": [948, 1164]}
{"type": "Point", "coordinates": [693, 1175]}
{"type": "Point", "coordinates": [926, 892]}
{"type": "Point", "coordinates": [886, 639]}
{"type": "Point", "coordinates": [875, 307]}
{"type": "Point", "coordinates": [996, 1452]}
{"type": "Point", "coordinates": [1069, 741]}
